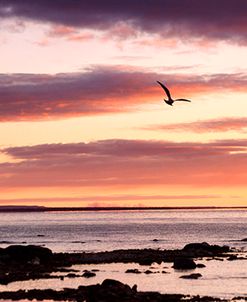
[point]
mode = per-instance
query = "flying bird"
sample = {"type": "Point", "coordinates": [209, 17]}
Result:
{"type": "Point", "coordinates": [170, 101]}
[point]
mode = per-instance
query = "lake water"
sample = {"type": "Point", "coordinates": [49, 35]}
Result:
{"type": "Point", "coordinates": [110, 230]}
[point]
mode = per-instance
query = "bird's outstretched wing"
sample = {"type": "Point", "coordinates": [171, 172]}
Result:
{"type": "Point", "coordinates": [184, 100]}
{"type": "Point", "coordinates": [166, 90]}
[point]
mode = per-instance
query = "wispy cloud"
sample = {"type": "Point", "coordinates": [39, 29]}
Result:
{"type": "Point", "coordinates": [222, 19]}
{"type": "Point", "coordinates": [70, 33]}
{"type": "Point", "coordinates": [204, 126]}
{"type": "Point", "coordinates": [103, 198]}
{"type": "Point", "coordinates": [99, 90]}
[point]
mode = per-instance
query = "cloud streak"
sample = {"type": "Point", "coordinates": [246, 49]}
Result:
{"type": "Point", "coordinates": [222, 19]}
{"type": "Point", "coordinates": [127, 163]}
{"type": "Point", "coordinates": [212, 125]}
{"type": "Point", "coordinates": [99, 90]}
{"type": "Point", "coordinates": [109, 198]}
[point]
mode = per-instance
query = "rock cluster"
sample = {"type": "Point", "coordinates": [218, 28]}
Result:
{"type": "Point", "coordinates": [18, 262]}
{"type": "Point", "coordinates": [109, 291]}
{"type": "Point", "coordinates": [204, 249]}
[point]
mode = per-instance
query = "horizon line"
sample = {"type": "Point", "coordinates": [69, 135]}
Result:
{"type": "Point", "coordinates": [36, 208]}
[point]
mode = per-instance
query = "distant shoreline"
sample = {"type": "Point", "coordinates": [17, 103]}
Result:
{"type": "Point", "coordinates": [15, 208]}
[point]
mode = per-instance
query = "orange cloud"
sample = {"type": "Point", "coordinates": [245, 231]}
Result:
{"type": "Point", "coordinates": [127, 163]}
{"type": "Point", "coordinates": [99, 90]}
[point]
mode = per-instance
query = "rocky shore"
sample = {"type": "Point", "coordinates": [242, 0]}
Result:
{"type": "Point", "coordinates": [18, 263]}
{"type": "Point", "coordinates": [108, 291]}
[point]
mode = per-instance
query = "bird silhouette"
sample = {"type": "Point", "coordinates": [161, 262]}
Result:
{"type": "Point", "coordinates": [170, 101]}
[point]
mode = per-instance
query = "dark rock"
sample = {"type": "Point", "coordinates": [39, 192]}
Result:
{"type": "Point", "coordinates": [148, 272]}
{"type": "Point", "coordinates": [200, 265]}
{"type": "Point", "coordinates": [134, 288]}
{"type": "Point", "coordinates": [24, 254]}
{"type": "Point", "coordinates": [132, 271]}
{"type": "Point", "coordinates": [88, 274]}
{"type": "Point", "coordinates": [232, 257]}
{"type": "Point", "coordinates": [245, 239]}
{"type": "Point", "coordinates": [146, 262]}
{"type": "Point", "coordinates": [191, 276]}
{"type": "Point", "coordinates": [114, 286]}
{"type": "Point", "coordinates": [204, 249]}
{"type": "Point", "coordinates": [155, 240]}
{"type": "Point", "coordinates": [196, 246]}
{"type": "Point", "coordinates": [35, 261]}
{"type": "Point", "coordinates": [184, 263]}
{"type": "Point", "coordinates": [66, 270]}
{"type": "Point", "coordinates": [72, 275]}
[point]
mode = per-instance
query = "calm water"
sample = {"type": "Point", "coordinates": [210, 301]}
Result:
{"type": "Point", "coordinates": [99, 231]}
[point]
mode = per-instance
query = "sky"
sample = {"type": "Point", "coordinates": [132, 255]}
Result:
{"type": "Point", "coordinates": [82, 118]}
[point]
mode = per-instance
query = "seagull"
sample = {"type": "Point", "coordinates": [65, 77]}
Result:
{"type": "Point", "coordinates": [170, 101]}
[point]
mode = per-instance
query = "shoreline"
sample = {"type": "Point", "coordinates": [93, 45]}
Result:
{"type": "Point", "coordinates": [109, 290]}
{"type": "Point", "coordinates": [23, 263]}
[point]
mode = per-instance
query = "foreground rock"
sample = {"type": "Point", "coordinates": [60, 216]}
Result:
{"type": "Point", "coordinates": [184, 263]}
{"type": "Point", "coordinates": [34, 262]}
{"type": "Point", "coordinates": [109, 291]}
{"type": "Point", "coordinates": [18, 262]}
{"type": "Point", "coordinates": [31, 254]}
{"type": "Point", "coordinates": [29, 262]}
{"type": "Point", "coordinates": [133, 271]}
{"type": "Point", "coordinates": [145, 256]}
{"type": "Point", "coordinates": [204, 249]}
{"type": "Point", "coordinates": [88, 274]}
{"type": "Point", "coordinates": [191, 276]}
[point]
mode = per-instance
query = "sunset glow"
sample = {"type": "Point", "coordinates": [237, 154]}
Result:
{"type": "Point", "coordinates": [82, 119]}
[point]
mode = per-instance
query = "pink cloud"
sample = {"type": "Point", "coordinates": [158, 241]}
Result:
{"type": "Point", "coordinates": [204, 126]}
{"type": "Point", "coordinates": [70, 33]}
{"type": "Point", "coordinates": [127, 163]}
{"type": "Point", "coordinates": [99, 90]}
